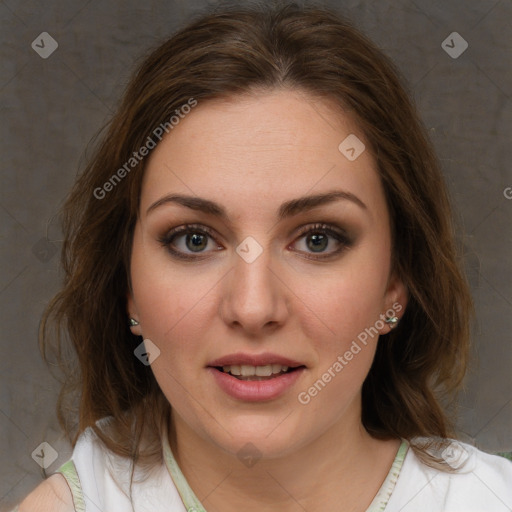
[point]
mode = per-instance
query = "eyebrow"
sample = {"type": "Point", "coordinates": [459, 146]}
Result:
{"type": "Point", "coordinates": [287, 209]}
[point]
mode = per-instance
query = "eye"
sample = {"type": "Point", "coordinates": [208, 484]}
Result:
{"type": "Point", "coordinates": [194, 238]}
{"type": "Point", "coordinates": [317, 239]}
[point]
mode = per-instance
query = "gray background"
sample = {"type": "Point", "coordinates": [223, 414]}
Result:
{"type": "Point", "coordinates": [52, 107]}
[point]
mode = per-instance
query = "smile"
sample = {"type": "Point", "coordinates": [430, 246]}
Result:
{"type": "Point", "coordinates": [256, 373]}
{"type": "Point", "coordinates": [255, 388]}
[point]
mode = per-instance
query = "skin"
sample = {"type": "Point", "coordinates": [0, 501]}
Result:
{"type": "Point", "coordinates": [251, 154]}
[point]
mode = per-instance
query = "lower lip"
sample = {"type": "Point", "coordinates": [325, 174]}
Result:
{"type": "Point", "coordinates": [255, 390]}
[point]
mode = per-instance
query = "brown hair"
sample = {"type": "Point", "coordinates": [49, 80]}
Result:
{"type": "Point", "coordinates": [234, 51]}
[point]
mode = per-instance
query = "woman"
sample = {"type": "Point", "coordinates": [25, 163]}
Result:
{"type": "Point", "coordinates": [262, 287]}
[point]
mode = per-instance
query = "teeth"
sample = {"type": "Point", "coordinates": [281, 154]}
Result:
{"type": "Point", "coordinates": [276, 368]}
{"type": "Point", "coordinates": [261, 371]}
{"type": "Point", "coordinates": [246, 370]}
{"type": "Point", "coordinates": [233, 369]}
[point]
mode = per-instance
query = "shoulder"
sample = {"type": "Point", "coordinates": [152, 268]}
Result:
{"type": "Point", "coordinates": [102, 480]}
{"type": "Point", "coordinates": [479, 481]}
{"type": "Point", "coordinates": [52, 495]}
{"type": "Point", "coordinates": [79, 482]}
{"type": "Point", "coordinates": [97, 477]}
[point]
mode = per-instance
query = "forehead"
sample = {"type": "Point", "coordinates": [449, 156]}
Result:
{"type": "Point", "coordinates": [258, 150]}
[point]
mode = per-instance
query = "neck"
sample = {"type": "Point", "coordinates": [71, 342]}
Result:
{"type": "Point", "coordinates": [342, 465]}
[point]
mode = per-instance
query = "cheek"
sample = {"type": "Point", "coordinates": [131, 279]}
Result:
{"type": "Point", "coordinates": [162, 294]}
{"type": "Point", "coordinates": [169, 305]}
{"type": "Point", "coordinates": [344, 340]}
{"type": "Point", "coordinates": [351, 298]}
{"type": "Point", "coordinates": [173, 320]}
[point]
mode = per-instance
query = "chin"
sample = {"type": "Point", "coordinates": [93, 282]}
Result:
{"type": "Point", "coordinates": [258, 438]}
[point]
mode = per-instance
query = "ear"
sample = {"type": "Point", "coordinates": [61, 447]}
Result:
{"type": "Point", "coordinates": [133, 313]}
{"type": "Point", "coordinates": [395, 301]}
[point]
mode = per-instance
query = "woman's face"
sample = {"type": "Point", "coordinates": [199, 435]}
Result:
{"type": "Point", "coordinates": [286, 276]}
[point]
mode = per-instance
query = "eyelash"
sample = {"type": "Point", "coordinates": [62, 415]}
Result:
{"type": "Point", "coordinates": [325, 229]}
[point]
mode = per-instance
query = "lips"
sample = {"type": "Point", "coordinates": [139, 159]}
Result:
{"type": "Point", "coordinates": [265, 359]}
{"type": "Point", "coordinates": [255, 388]}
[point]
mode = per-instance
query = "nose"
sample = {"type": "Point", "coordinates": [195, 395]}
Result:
{"type": "Point", "coordinates": [255, 299]}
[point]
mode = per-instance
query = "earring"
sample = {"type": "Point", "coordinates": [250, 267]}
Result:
{"type": "Point", "coordinates": [391, 321]}
{"type": "Point", "coordinates": [133, 322]}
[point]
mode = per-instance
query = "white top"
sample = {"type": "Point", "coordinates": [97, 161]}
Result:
{"type": "Point", "coordinates": [483, 484]}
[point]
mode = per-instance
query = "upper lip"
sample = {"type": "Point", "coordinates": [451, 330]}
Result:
{"type": "Point", "coordinates": [254, 360]}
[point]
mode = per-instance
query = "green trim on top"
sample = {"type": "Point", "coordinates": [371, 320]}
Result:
{"type": "Point", "coordinates": [192, 503]}
{"type": "Point", "coordinates": [190, 500]}
{"type": "Point", "coordinates": [68, 470]}
{"type": "Point", "coordinates": [380, 501]}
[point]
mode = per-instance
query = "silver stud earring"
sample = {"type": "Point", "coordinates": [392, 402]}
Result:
{"type": "Point", "coordinates": [391, 321]}
{"type": "Point", "coordinates": [133, 322]}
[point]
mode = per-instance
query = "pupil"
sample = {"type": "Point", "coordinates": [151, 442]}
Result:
{"type": "Point", "coordinates": [197, 241]}
{"type": "Point", "coordinates": [319, 241]}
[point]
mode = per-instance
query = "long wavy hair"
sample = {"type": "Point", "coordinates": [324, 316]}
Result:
{"type": "Point", "coordinates": [418, 367]}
